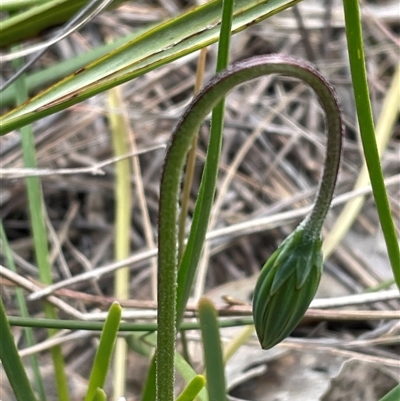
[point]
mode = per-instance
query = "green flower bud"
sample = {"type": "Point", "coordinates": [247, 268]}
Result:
{"type": "Point", "coordinates": [286, 286]}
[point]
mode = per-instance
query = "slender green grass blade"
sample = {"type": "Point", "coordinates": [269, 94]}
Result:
{"type": "Point", "coordinates": [188, 374]}
{"type": "Point", "coordinates": [104, 351]}
{"type": "Point", "coordinates": [202, 211]}
{"type": "Point", "coordinates": [366, 124]}
{"type": "Point", "coordinates": [11, 5]}
{"type": "Point", "coordinates": [167, 318]}
{"type": "Point", "coordinates": [37, 219]}
{"type": "Point", "coordinates": [11, 361]}
{"type": "Point", "coordinates": [169, 41]}
{"type": "Point", "coordinates": [212, 351]}
{"type": "Point", "coordinates": [45, 77]}
{"type": "Point", "coordinates": [192, 389]}
{"type": "Point", "coordinates": [5, 248]}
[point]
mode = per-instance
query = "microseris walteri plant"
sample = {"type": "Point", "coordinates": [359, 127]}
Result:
{"type": "Point", "coordinates": [289, 279]}
{"type": "Point", "coordinates": [173, 298]}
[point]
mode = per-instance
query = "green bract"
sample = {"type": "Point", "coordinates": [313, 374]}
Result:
{"type": "Point", "coordinates": [286, 286]}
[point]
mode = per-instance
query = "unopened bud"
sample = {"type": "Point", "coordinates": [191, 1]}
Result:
{"type": "Point", "coordinates": [286, 286]}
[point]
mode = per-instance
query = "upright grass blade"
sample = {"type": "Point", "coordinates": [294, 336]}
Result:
{"type": "Point", "coordinates": [5, 248]}
{"type": "Point", "coordinates": [191, 256]}
{"type": "Point", "coordinates": [36, 211]}
{"type": "Point", "coordinates": [169, 301]}
{"type": "Point", "coordinates": [11, 361]}
{"type": "Point", "coordinates": [192, 389]}
{"type": "Point", "coordinates": [104, 351]}
{"type": "Point", "coordinates": [366, 124]}
{"type": "Point", "coordinates": [212, 351]}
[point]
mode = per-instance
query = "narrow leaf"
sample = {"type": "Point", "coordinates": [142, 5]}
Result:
{"type": "Point", "coordinates": [212, 351]}
{"type": "Point", "coordinates": [104, 351]}
{"type": "Point", "coordinates": [12, 362]}
{"type": "Point", "coordinates": [169, 41]}
{"type": "Point", "coordinates": [192, 389]}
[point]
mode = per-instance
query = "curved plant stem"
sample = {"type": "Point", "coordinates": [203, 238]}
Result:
{"type": "Point", "coordinates": [367, 131]}
{"type": "Point", "coordinates": [194, 247]}
{"type": "Point", "coordinates": [169, 319]}
{"type": "Point", "coordinates": [384, 129]}
{"type": "Point", "coordinates": [181, 141]}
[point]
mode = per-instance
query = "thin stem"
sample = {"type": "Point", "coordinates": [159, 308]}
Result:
{"type": "Point", "coordinates": [181, 141]}
{"type": "Point", "coordinates": [202, 211]}
{"type": "Point", "coordinates": [367, 131]}
{"type": "Point", "coordinates": [314, 221]}
{"type": "Point", "coordinates": [384, 129]}
{"type": "Point", "coordinates": [123, 327]}
{"type": "Point", "coordinates": [192, 389]}
{"type": "Point", "coordinates": [37, 220]}
{"type": "Point", "coordinates": [213, 360]}
{"type": "Point", "coordinates": [167, 317]}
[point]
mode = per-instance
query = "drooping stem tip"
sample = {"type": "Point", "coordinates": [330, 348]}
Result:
{"type": "Point", "coordinates": [181, 140]}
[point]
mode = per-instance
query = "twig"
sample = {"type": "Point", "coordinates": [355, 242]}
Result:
{"type": "Point", "coordinates": [96, 169]}
{"type": "Point", "coordinates": [28, 285]}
